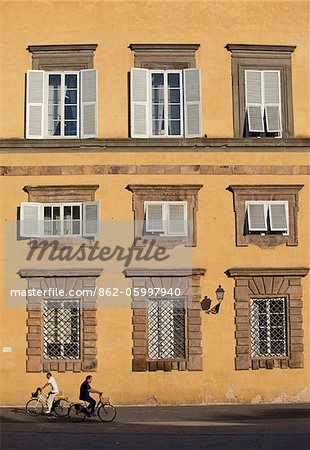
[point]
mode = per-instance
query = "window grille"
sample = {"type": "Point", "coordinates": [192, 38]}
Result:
{"type": "Point", "coordinates": [268, 327]}
{"type": "Point", "coordinates": [166, 328]}
{"type": "Point", "coordinates": [61, 321]}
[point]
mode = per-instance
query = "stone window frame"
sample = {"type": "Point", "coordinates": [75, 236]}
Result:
{"type": "Point", "coordinates": [62, 57]}
{"type": "Point", "coordinates": [164, 56]}
{"type": "Point", "coordinates": [165, 192]}
{"type": "Point", "coordinates": [268, 282]}
{"type": "Point", "coordinates": [188, 280]}
{"type": "Point", "coordinates": [61, 279]}
{"type": "Point", "coordinates": [61, 194]}
{"type": "Point", "coordinates": [266, 192]}
{"type": "Point", "coordinates": [262, 57]}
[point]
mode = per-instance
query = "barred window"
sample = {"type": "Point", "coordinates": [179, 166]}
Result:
{"type": "Point", "coordinates": [268, 326]}
{"type": "Point", "coordinates": [166, 328]}
{"type": "Point", "coordinates": [61, 321]}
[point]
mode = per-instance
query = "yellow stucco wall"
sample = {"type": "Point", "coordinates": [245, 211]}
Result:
{"type": "Point", "coordinates": [114, 25]}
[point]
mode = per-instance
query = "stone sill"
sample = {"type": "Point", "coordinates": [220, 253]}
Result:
{"type": "Point", "coordinates": [133, 145]}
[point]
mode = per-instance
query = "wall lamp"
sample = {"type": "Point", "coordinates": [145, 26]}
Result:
{"type": "Point", "coordinates": [206, 302]}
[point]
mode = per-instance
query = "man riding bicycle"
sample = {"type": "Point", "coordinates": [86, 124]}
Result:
{"type": "Point", "coordinates": [85, 390]}
{"type": "Point", "coordinates": [52, 394]}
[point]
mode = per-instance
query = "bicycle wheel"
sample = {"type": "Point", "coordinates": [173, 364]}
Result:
{"type": "Point", "coordinates": [106, 412]}
{"type": "Point", "coordinates": [61, 407]}
{"type": "Point", "coordinates": [77, 413]}
{"type": "Point", "coordinates": [34, 407]}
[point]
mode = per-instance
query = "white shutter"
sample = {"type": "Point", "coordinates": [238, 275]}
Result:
{"type": "Point", "coordinates": [89, 103]}
{"type": "Point", "coordinates": [278, 212]}
{"type": "Point", "coordinates": [91, 216]}
{"type": "Point", "coordinates": [272, 95]}
{"type": "Point", "coordinates": [192, 102]}
{"type": "Point", "coordinates": [30, 219]}
{"type": "Point", "coordinates": [154, 217]}
{"type": "Point", "coordinates": [139, 103]}
{"type": "Point", "coordinates": [254, 100]}
{"type": "Point", "coordinates": [177, 218]}
{"type": "Point", "coordinates": [257, 216]}
{"type": "Point", "coordinates": [35, 104]}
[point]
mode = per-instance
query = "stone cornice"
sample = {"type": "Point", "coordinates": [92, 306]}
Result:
{"type": "Point", "coordinates": [143, 188]}
{"type": "Point", "coordinates": [48, 273]}
{"type": "Point", "coordinates": [61, 48]}
{"type": "Point", "coordinates": [265, 188]}
{"type": "Point", "coordinates": [175, 48]}
{"type": "Point", "coordinates": [263, 271]}
{"type": "Point", "coordinates": [260, 48]}
{"type": "Point", "coordinates": [186, 272]}
{"type": "Point", "coordinates": [59, 188]}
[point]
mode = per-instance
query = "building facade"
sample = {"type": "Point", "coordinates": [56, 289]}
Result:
{"type": "Point", "coordinates": [154, 156]}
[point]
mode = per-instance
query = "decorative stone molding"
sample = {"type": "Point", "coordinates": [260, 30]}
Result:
{"type": "Point", "coordinates": [166, 192]}
{"type": "Point", "coordinates": [243, 193]}
{"type": "Point", "coordinates": [61, 280]}
{"type": "Point", "coordinates": [62, 57]}
{"type": "Point", "coordinates": [61, 193]}
{"type": "Point", "coordinates": [164, 56]}
{"type": "Point", "coordinates": [188, 280]}
{"type": "Point", "coordinates": [262, 57]}
{"type": "Point", "coordinates": [264, 282]}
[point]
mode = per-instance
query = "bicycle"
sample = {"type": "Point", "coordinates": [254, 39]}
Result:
{"type": "Point", "coordinates": [105, 411]}
{"type": "Point", "coordinates": [37, 403]}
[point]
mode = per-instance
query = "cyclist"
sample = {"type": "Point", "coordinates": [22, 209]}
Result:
{"type": "Point", "coordinates": [53, 392]}
{"type": "Point", "coordinates": [85, 390]}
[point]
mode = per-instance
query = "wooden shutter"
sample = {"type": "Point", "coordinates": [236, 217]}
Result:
{"type": "Point", "coordinates": [89, 103]}
{"type": "Point", "coordinates": [30, 219]}
{"type": "Point", "coordinates": [278, 213]}
{"type": "Point", "coordinates": [257, 216]}
{"type": "Point", "coordinates": [35, 104]}
{"type": "Point", "coordinates": [177, 218]}
{"type": "Point", "coordinates": [254, 100]}
{"type": "Point", "coordinates": [272, 96]}
{"type": "Point", "coordinates": [91, 216]}
{"type": "Point", "coordinates": [192, 102]}
{"type": "Point", "coordinates": [139, 103]}
{"type": "Point", "coordinates": [154, 217]}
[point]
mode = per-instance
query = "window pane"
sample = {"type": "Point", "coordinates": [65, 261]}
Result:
{"type": "Point", "coordinates": [174, 128]}
{"type": "Point", "coordinates": [174, 112]}
{"type": "Point", "coordinates": [157, 80]}
{"type": "Point", "coordinates": [56, 227]}
{"type": "Point", "coordinates": [70, 128]}
{"type": "Point", "coordinates": [55, 81]}
{"type": "Point", "coordinates": [173, 79]}
{"type": "Point", "coordinates": [70, 112]}
{"type": "Point", "coordinates": [71, 81]}
{"type": "Point", "coordinates": [71, 97]}
{"type": "Point", "coordinates": [174, 95]}
{"type": "Point", "coordinates": [56, 212]}
{"type": "Point", "coordinates": [76, 226]}
{"type": "Point", "coordinates": [67, 212]}
{"type": "Point", "coordinates": [158, 95]}
{"type": "Point", "coordinates": [158, 127]}
{"type": "Point", "coordinates": [76, 212]}
{"type": "Point", "coordinates": [47, 212]}
{"type": "Point", "coordinates": [67, 227]}
{"type": "Point", "coordinates": [158, 112]}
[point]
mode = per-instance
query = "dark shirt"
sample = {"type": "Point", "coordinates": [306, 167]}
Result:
{"type": "Point", "coordinates": [84, 388]}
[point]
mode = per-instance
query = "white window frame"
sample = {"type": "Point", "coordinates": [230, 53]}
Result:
{"type": "Point", "coordinates": [264, 104]}
{"type": "Point", "coordinates": [267, 204]}
{"type": "Point", "coordinates": [61, 205]}
{"type": "Point", "coordinates": [165, 210]}
{"type": "Point", "coordinates": [166, 104]}
{"type": "Point", "coordinates": [62, 123]}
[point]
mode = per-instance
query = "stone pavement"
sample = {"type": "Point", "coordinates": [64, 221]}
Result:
{"type": "Point", "coordinates": [244, 427]}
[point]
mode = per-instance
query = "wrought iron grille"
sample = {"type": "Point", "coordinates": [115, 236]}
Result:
{"type": "Point", "coordinates": [61, 322]}
{"type": "Point", "coordinates": [268, 326]}
{"type": "Point", "coordinates": [166, 328]}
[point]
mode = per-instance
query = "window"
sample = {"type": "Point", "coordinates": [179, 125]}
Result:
{"type": "Point", "coordinates": [263, 103]}
{"type": "Point", "coordinates": [166, 218]}
{"type": "Point", "coordinates": [267, 217]}
{"type": "Point", "coordinates": [165, 103]}
{"type": "Point", "coordinates": [61, 329]}
{"type": "Point", "coordinates": [61, 104]}
{"type": "Point", "coordinates": [59, 219]}
{"type": "Point", "coordinates": [166, 328]}
{"type": "Point", "coordinates": [268, 327]}
{"type": "Point", "coordinates": [268, 317]}
{"type": "Point", "coordinates": [262, 90]}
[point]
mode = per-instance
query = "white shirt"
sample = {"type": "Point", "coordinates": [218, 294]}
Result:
{"type": "Point", "coordinates": [54, 387]}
